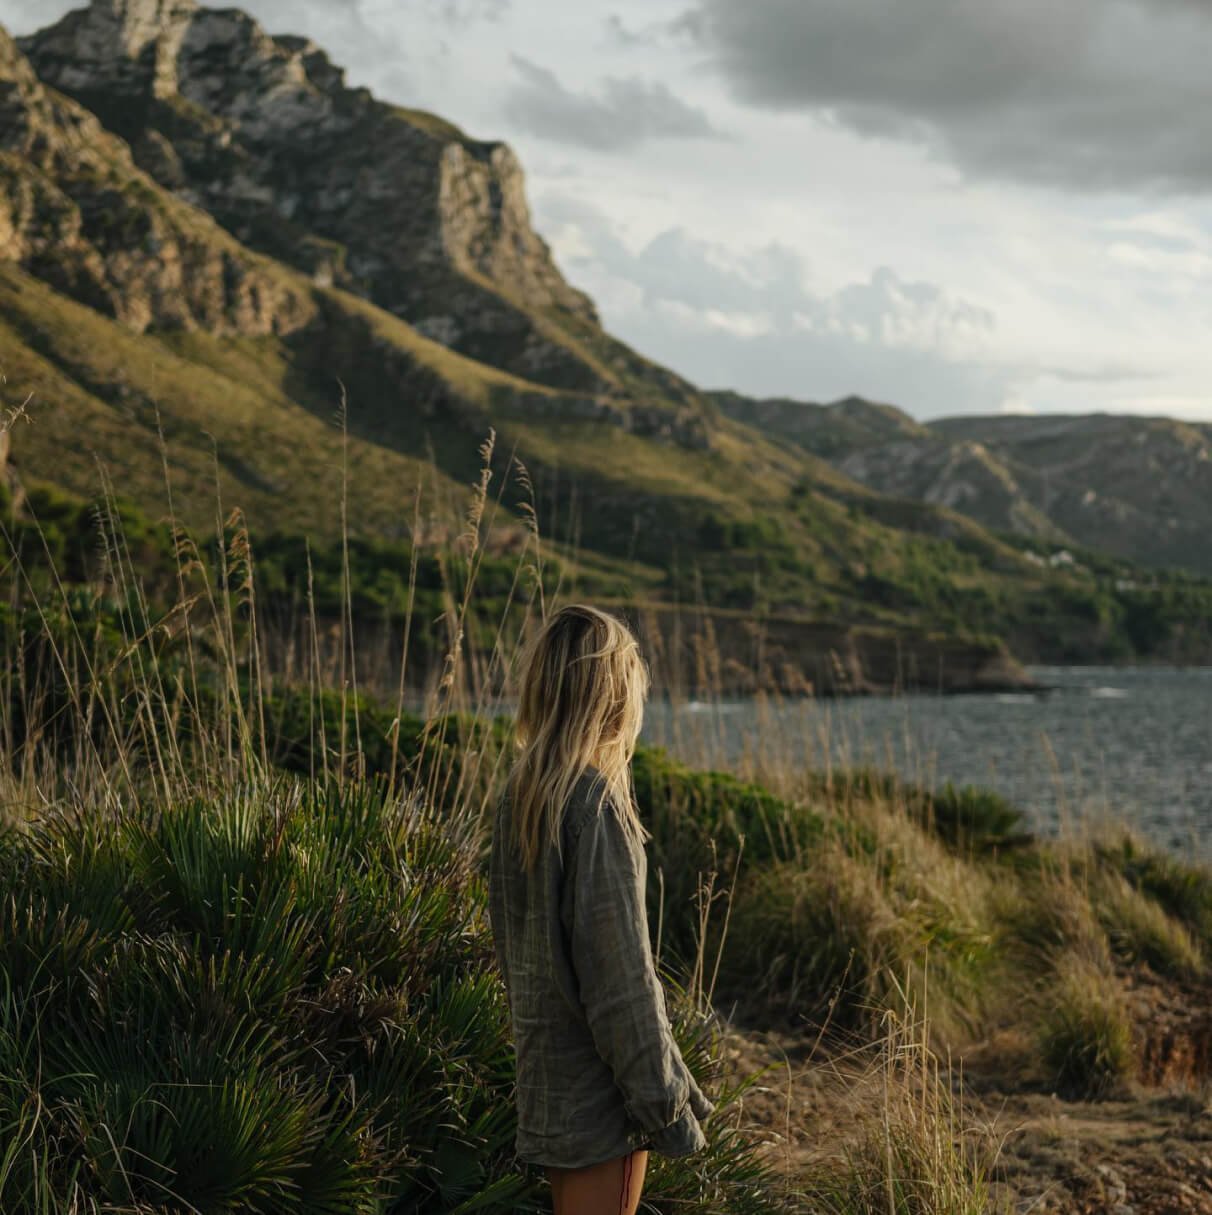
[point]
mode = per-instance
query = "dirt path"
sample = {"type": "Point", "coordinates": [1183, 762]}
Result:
{"type": "Point", "coordinates": [1143, 1152]}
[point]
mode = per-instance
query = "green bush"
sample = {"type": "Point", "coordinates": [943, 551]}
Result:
{"type": "Point", "coordinates": [967, 818]}
{"type": "Point", "coordinates": [815, 940]}
{"type": "Point", "coordinates": [1184, 891]}
{"type": "Point", "coordinates": [1085, 1033]}
{"type": "Point", "coordinates": [1140, 930]}
{"type": "Point", "coordinates": [698, 819]}
{"type": "Point", "coordinates": [282, 999]}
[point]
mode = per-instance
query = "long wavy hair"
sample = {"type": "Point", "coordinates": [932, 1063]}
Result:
{"type": "Point", "coordinates": [581, 704]}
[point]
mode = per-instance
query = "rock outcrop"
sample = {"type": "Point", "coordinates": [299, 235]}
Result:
{"type": "Point", "coordinates": [77, 212]}
{"type": "Point", "coordinates": [263, 132]}
{"type": "Point", "coordinates": [1138, 487]}
{"type": "Point", "coordinates": [254, 127]}
{"type": "Point", "coordinates": [394, 205]}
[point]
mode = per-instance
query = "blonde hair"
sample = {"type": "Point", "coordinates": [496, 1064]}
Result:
{"type": "Point", "coordinates": [581, 703]}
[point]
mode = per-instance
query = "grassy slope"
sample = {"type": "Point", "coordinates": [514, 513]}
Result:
{"type": "Point", "coordinates": [279, 454]}
{"type": "Point", "coordinates": [809, 537]}
{"type": "Point", "coordinates": [91, 377]}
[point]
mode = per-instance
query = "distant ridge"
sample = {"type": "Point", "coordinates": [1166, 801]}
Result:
{"type": "Point", "coordinates": [1135, 486]}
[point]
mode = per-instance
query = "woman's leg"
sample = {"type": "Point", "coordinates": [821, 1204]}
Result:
{"type": "Point", "coordinates": [610, 1188]}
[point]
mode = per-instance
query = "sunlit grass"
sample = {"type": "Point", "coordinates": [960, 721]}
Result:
{"type": "Point", "coordinates": [236, 899]}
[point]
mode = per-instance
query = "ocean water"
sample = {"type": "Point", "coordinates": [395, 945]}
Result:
{"type": "Point", "coordinates": [1107, 743]}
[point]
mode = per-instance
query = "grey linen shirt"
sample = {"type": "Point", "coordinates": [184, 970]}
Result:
{"type": "Point", "coordinates": [599, 1074]}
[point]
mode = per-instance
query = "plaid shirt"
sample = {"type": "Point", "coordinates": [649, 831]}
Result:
{"type": "Point", "coordinates": [599, 1074]}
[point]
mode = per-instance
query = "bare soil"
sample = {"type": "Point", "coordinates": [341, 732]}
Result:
{"type": "Point", "coordinates": [1145, 1149]}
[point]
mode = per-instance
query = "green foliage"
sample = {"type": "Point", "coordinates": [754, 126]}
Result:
{"type": "Point", "coordinates": [378, 577]}
{"type": "Point", "coordinates": [820, 940]}
{"type": "Point", "coordinates": [1183, 891]}
{"type": "Point", "coordinates": [698, 820]}
{"type": "Point", "coordinates": [281, 999]}
{"type": "Point", "coordinates": [1085, 1033]}
{"type": "Point", "coordinates": [967, 818]}
{"type": "Point", "coordinates": [72, 537]}
{"type": "Point", "coordinates": [1139, 929]}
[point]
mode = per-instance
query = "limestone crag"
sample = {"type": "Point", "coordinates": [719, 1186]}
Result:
{"type": "Point", "coordinates": [1139, 487]}
{"type": "Point", "coordinates": [266, 132]}
{"type": "Point", "coordinates": [77, 212]}
{"type": "Point", "coordinates": [131, 45]}
{"type": "Point", "coordinates": [963, 476]}
{"type": "Point", "coordinates": [398, 206]}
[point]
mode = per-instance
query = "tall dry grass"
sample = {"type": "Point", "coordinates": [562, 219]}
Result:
{"type": "Point", "coordinates": [226, 986]}
{"type": "Point", "coordinates": [822, 893]}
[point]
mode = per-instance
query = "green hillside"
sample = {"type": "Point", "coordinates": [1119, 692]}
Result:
{"type": "Point", "coordinates": [188, 271]}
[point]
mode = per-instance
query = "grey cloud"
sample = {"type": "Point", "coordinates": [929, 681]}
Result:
{"type": "Point", "coordinates": [1085, 93]}
{"type": "Point", "coordinates": [1112, 373]}
{"type": "Point", "coordinates": [676, 267]}
{"type": "Point", "coordinates": [466, 12]}
{"type": "Point", "coordinates": [618, 32]}
{"type": "Point", "coordinates": [625, 113]}
{"type": "Point", "coordinates": [649, 34]}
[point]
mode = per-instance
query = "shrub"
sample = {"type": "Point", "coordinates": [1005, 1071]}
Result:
{"type": "Point", "coordinates": [1139, 930]}
{"type": "Point", "coordinates": [697, 820]}
{"type": "Point", "coordinates": [280, 999]}
{"type": "Point", "coordinates": [806, 939]}
{"type": "Point", "coordinates": [912, 1153]}
{"type": "Point", "coordinates": [1085, 1032]}
{"type": "Point", "coordinates": [1185, 891]}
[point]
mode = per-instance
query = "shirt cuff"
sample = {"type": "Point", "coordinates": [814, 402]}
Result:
{"type": "Point", "coordinates": [679, 1138]}
{"type": "Point", "coordinates": [700, 1106]}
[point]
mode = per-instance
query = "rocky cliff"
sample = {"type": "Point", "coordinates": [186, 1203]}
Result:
{"type": "Point", "coordinates": [206, 234]}
{"type": "Point", "coordinates": [77, 212]}
{"type": "Point", "coordinates": [257, 129]}
{"type": "Point", "coordinates": [262, 135]}
{"type": "Point", "coordinates": [1136, 487]}
{"type": "Point", "coordinates": [1139, 487]}
{"type": "Point", "coordinates": [398, 206]}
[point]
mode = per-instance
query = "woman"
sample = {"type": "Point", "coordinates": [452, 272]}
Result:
{"type": "Point", "coordinates": [600, 1079]}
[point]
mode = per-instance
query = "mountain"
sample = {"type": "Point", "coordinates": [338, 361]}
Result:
{"type": "Point", "coordinates": [1139, 487]}
{"type": "Point", "coordinates": [1132, 486]}
{"type": "Point", "coordinates": [1136, 487]}
{"type": "Point", "coordinates": [208, 241]}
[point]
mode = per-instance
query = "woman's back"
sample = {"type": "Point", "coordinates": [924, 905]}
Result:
{"type": "Point", "coordinates": [599, 1074]}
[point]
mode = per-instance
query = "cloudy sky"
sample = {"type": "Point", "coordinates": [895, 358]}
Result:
{"type": "Point", "coordinates": [958, 206]}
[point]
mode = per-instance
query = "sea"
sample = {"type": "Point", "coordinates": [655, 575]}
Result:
{"type": "Point", "coordinates": [1102, 746]}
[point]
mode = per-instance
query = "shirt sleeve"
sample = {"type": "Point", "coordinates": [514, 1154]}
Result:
{"type": "Point", "coordinates": [496, 910]}
{"type": "Point", "coordinates": [621, 991]}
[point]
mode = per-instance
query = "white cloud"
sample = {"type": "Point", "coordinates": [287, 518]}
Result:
{"type": "Point", "coordinates": [748, 319]}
